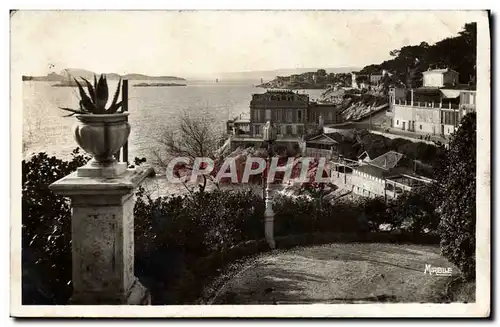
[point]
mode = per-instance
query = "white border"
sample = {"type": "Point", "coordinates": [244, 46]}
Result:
{"type": "Point", "coordinates": [480, 308]}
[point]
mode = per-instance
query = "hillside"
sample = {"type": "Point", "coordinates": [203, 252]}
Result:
{"type": "Point", "coordinates": [457, 53]}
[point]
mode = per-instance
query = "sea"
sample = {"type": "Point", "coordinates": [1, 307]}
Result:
{"type": "Point", "coordinates": [153, 112]}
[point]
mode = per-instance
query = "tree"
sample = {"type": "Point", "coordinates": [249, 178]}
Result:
{"type": "Point", "coordinates": [455, 197]}
{"type": "Point", "coordinates": [195, 136]}
{"type": "Point", "coordinates": [415, 211]}
{"type": "Point", "coordinates": [321, 72]}
{"type": "Point", "coordinates": [408, 63]}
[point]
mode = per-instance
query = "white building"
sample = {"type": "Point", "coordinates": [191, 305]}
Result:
{"type": "Point", "coordinates": [440, 77]}
{"type": "Point", "coordinates": [436, 108]}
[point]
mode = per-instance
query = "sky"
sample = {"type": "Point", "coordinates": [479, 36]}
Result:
{"type": "Point", "coordinates": [199, 43]}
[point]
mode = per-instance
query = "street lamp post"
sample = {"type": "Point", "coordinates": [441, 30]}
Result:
{"type": "Point", "coordinates": [269, 136]}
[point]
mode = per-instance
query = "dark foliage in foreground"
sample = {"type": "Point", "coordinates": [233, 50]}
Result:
{"type": "Point", "coordinates": [46, 230]}
{"type": "Point", "coordinates": [173, 235]}
{"type": "Point", "coordinates": [455, 198]}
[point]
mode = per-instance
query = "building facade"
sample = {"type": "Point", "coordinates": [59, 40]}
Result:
{"type": "Point", "coordinates": [377, 76]}
{"type": "Point", "coordinates": [286, 109]}
{"type": "Point", "coordinates": [386, 176]}
{"type": "Point", "coordinates": [437, 117]}
{"type": "Point", "coordinates": [434, 109]}
{"type": "Point", "coordinates": [289, 111]}
{"type": "Point", "coordinates": [329, 113]}
{"type": "Point", "coordinates": [364, 81]}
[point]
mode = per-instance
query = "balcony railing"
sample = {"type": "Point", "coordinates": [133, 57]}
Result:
{"type": "Point", "coordinates": [423, 104]}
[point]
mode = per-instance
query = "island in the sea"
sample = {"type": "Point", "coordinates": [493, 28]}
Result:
{"type": "Point", "coordinates": [69, 83]}
{"type": "Point", "coordinates": [158, 84]}
{"type": "Point", "coordinates": [66, 77]}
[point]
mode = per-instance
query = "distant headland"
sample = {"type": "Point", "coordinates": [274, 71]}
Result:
{"type": "Point", "coordinates": [319, 79]}
{"type": "Point", "coordinates": [158, 84]}
{"type": "Point", "coordinates": [65, 77]}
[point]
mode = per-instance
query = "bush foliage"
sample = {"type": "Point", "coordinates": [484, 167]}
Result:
{"type": "Point", "coordinates": [46, 230]}
{"type": "Point", "coordinates": [455, 195]}
{"type": "Point", "coordinates": [173, 233]}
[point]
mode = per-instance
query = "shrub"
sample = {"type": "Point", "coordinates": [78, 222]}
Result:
{"type": "Point", "coordinates": [455, 198]}
{"type": "Point", "coordinates": [377, 212]}
{"type": "Point", "coordinates": [300, 215]}
{"type": "Point", "coordinates": [415, 212]}
{"type": "Point", "coordinates": [46, 230]}
{"type": "Point", "coordinates": [174, 235]}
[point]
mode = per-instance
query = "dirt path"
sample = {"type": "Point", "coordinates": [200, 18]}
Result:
{"type": "Point", "coordinates": [339, 273]}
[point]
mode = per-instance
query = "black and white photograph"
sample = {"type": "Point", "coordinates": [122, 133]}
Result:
{"type": "Point", "coordinates": [250, 163]}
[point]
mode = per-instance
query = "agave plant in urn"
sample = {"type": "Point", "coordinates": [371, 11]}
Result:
{"type": "Point", "coordinates": [100, 131]}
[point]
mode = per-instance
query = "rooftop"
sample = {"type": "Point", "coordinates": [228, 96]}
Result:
{"type": "Point", "coordinates": [443, 70]}
{"type": "Point", "coordinates": [322, 139]}
{"type": "Point", "coordinates": [388, 160]}
{"type": "Point", "coordinates": [279, 91]}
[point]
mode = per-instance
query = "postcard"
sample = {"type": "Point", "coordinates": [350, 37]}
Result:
{"type": "Point", "coordinates": [272, 163]}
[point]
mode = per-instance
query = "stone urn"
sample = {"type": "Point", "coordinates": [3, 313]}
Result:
{"type": "Point", "coordinates": [102, 136]}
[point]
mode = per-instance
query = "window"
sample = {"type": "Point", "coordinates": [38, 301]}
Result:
{"type": "Point", "coordinates": [466, 98]}
{"type": "Point", "coordinates": [420, 126]}
{"type": "Point", "coordinates": [397, 122]}
{"type": "Point", "coordinates": [300, 130]}
{"type": "Point", "coordinates": [256, 129]}
{"type": "Point", "coordinates": [289, 130]}
{"type": "Point", "coordinates": [278, 129]}
{"type": "Point", "coordinates": [289, 115]}
{"type": "Point", "coordinates": [268, 114]}
{"type": "Point", "coordinates": [299, 115]}
{"type": "Point", "coordinates": [257, 114]}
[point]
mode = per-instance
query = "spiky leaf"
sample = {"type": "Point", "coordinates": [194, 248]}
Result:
{"type": "Point", "coordinates": [90, 88]}
{"type": "Point", "coordinates": [117, 93]}
{"type": "Point", "coordinates": [95, 82]}
{"type": "Point", "coordinates": [85, 101]}
{"type": "Point", "coordinates": [102, 93]}
{"type": "Point", "coordinates": [74, 111]}
{"type": "Point", "coordinates": [83, 95]}
{"type": "Point", "coordinates": [114, 108]}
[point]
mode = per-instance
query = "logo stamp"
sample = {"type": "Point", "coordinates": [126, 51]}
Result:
{"type": "Point", "coordinates": [437, 271]}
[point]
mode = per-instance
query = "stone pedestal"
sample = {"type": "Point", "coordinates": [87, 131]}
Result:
{"type": "Point", "coordinates": [102, 227]}
{"type": "Point", "coordinates": [95, 169]}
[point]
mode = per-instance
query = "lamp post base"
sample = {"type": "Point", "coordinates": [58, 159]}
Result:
{"type": "Point", "coordinates": [269, 219]}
